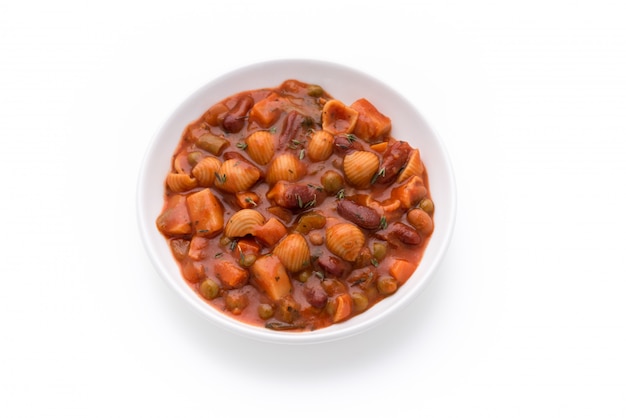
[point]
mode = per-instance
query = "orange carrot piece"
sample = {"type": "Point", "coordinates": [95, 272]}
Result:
{"type": "Point", "coordinates": [344, 307]}
{"type": "Point", "coordinates": [271, 276]}
{"type": "Point", "coordinates": [401, 270]}
{"type": "Point", "coordinates": [370, 123]}
{"type": "Point", "coordinates": [230, 274]}
{"type": "Point", "coordinates": [410, 192]}
{"type": "Point", "coordinates": [270, 232]}
{"type": "Point", "coordinates": [266, 111]}
{"type": "Point", "coordinates": [380, 147]}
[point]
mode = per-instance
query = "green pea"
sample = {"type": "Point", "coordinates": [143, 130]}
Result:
{"type": "Point", "coordinates": [314, 90]}
{"type": "Point", "coordinates": [386, 285]}
{"type": "Point", "coordinates": [209, 289]}
{"type": "Point", "coordinates": [266, 311]}
{"type": "Point", "coordinates": [360, 301]}
{"type": "Point", "coordinates": [427, 206]}
{"type": "Point", "coordinates": [246, 260]}
{"type": "Point", "coordinates": [379, 250]}
{"type": "Point", "coordinates": [332, 181]}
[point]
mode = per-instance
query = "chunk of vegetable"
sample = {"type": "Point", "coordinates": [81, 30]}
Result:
{"type": "Point", "coordinates": [343, 307]}
{"type": "Point", "coordinates": [371, 124]}
{"type": "Point", "coordinates": [174, 221]}
{"type": "Point", "coordinates": [401, 270]}
{"type": "Point", "coordinates": [230, 274]}
{"type": "Point", "coordinates": [270, 232]}
{"type": "Point", "coordinates": [206, 213]}
{"type": "Point", "coordinates": [271, 276]}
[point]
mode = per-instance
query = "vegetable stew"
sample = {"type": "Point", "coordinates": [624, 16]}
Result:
{"type": "Point", "coordinates": [288, 209]}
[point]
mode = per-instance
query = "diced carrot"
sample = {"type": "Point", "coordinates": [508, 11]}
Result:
{"type": "Point", "coordinates": [380, 147]}
{"type": "Point", "coordinates": [230, 274]}
{"type": "Point", "coordinates": [371, 124]}
{"type": "Point", "coordinates": [410, 192]}
{"type": "Point", "coordinates": [206, 213]}
{"type": "Point", "coordinates": [270, 232]}
{"type": "Point", "coordinates": [266, 111]}
{"type": "Point", "coordinates": [246, 246]}
{"type": "Point", "coordinates": [247, 200]}
{"type": "Point", "coordinates": [174, 221]}
{"type": "Point", "coordinates": [344, 307]}
{"type": "Point", "coordinates": [271, 276]}
{"type": "Point", "coordinates": [401, 270]}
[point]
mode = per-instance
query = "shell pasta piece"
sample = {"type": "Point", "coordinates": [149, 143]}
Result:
{"type": "Point", "coordinates": [260, 147]}
{"type": "Point", "coordinates": [360, 167]}
{"type": "Point", "coordinates": [235, 175]}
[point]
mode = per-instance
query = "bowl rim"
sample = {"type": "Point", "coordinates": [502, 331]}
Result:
{"type": "Point", "coordinates": [334, 332]}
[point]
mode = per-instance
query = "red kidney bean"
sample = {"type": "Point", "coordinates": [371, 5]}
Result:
{"type": "Point", "coordinates": [405, 233]}
{"type": "Point", "coordinates": [333, 265]}
{"type": "Point", "coordinates": [345, 143]}
{"type": "Point", "coordinates": [359, 215]}
{"type": "Point", "coordinates": [236, 117]}
{"type": "Point", "coordinates": [316, 296]}
{"type": "Point", "coordinates": [394, 158]}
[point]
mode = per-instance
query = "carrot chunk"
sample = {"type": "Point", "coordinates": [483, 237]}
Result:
{"type": "Point", "coordinates": [401, 270]}
{"type": "Point", "coordinates": [230, 274]}
{"type": "Point", "coordinates": [266, 111]}
{"type": "Point", "coordinates": [270, 232]}
{"type": "Point", "coordinates": [344, 307]}
{"type": "Point", "coordinates": [371, 124]}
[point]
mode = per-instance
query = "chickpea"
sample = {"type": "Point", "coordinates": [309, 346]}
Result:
{"type": "Point", "coordinates": [421, 221]}
{"type": "Point", "coordinates": [316, 238]}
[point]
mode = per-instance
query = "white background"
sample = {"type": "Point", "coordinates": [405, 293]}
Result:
{"type": "Point", "coordinates": [527, 315]}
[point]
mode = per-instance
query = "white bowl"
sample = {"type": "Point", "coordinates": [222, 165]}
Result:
{"type": "Point", "coordinates": [347, 85]}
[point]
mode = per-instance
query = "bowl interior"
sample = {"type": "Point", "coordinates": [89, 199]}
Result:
{"type": "Point", "coordinates": [347, 85]}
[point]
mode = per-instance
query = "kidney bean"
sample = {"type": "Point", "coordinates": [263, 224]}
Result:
{"type": "Point", "coordinates": [333, 265]}
{"type": "Point", "coordinates": [294, 195]}
{"type": "Point", "coordinates": [316, 296]}
{"type": "Point", "coordinates": [359, 215]}
{"type": "Point", "coordinates": [236, 117]}
{"type": "Point", "coordinates": [406, 234]}
{"type": "Point", "coordinates": [394, 158]}
{"type": "Point", "coordinates": [345, 143]}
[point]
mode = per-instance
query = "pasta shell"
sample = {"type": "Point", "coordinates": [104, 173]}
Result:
{"type": "Point", "coordinates": [320, 145]}
{"type": "Point", "coordinates": [414, 167]}
{"type": "Point", "coordinates": [205, 171]}
{"type": "Point", "coordinates": [243, 223]}
{"type": "Point", "coordinates": [236, 175]}
{"type": "Point", "coordinates": [345, 240]}
{"type": "Point", "coordinates": [293, 251]}
{"type": "Point", "coordinates": [360, 167]}
{"type": "Point", "coordinates": [337, 118]}
{"type": "Point", "coordinates": [180, 182]}
{"type": "Point", "coordinates": [286, 167]}
{"type": "Point", "coordinates": [260, 147]}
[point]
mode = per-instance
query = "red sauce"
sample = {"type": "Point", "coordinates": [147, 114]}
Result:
{"type": "Point", "coordinates": [288, 209]}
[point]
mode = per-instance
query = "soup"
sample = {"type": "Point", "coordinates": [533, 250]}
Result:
{"type": "Point", "coordinates": [288, 209]}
